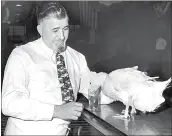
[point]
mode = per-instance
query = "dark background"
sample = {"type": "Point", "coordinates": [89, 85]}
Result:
{"type": "Point", "coordinates": [121, 35]}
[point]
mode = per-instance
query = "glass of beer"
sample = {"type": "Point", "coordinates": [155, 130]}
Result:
{"type": "Point", "coordinates": [94, 99]}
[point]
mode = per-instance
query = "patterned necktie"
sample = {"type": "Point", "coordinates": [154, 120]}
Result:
{"type": "Point", "coordinates": [66, 88]}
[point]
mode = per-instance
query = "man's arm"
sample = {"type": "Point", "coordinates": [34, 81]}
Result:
{"type": "Point", "coordinates": [93, 80]}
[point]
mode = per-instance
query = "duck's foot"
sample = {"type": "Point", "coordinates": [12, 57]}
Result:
{"type": "Point", "coordinates": [133, 112]}
{"type": "Point", "coordinates": [123, 117]}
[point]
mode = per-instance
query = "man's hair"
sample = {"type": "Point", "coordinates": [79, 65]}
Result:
{"type": "Point", "coordinates": [51, 9]}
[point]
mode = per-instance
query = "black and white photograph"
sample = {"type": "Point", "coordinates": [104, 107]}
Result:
{"type": "Point", "coordinates": [78, 68]}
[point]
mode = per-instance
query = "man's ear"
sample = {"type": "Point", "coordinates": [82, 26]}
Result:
{"type": "Point", "coordinates": [39, 29]}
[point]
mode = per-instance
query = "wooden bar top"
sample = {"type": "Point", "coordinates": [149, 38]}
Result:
{"type": "Point", "coordinates": [158, 123]}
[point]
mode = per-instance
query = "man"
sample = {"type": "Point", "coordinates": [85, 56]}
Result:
{"type": "Point", "coordinates": [38, 93]}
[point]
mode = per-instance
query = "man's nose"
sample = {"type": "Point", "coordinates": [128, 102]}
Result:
{"type": "Point", "coordinates": [61, 35]}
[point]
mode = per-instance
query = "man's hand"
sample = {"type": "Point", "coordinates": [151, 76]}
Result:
{"type": "Point", "coordinates": [68, 111]}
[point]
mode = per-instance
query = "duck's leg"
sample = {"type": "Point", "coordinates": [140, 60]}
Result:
{"type": "Point", "coordinates": [133, 110]}
{"type": "Point", "coordinates": [125, 116]}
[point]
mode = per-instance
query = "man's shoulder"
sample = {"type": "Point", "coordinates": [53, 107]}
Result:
{"type": "Point", "coordinates": [74, 52]}
{"type": "Point", "coordinates": [25, 48]}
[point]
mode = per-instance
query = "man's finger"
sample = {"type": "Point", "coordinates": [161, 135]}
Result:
{"type": "Point", "coordinates": [79, 108]}
{"type": "Point", "coordinates": [77, 113]}
{"type": "Point", "coordinates": [73, 117]}
{"type": "Point", "coordinates": [78, 104]}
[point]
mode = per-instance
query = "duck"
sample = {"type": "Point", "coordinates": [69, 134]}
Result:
{"type": "Point", "coordinates": [134, 89]}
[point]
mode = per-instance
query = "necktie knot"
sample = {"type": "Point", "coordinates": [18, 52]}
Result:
{"type": "Point", "coordinates": [59, 57]}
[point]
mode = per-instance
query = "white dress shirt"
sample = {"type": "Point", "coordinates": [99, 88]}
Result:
{"type": "Point", "coordinates": [31, 88]}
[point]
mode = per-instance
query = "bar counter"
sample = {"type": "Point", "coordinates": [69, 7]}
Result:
{"type": "Point", "coordinates": [158, 123]}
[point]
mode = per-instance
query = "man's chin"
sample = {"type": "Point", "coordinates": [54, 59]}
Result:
{"type": "Point", "coordinates": [61, 49]}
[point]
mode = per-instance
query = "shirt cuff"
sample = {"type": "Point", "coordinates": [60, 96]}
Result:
{"type": "Point", "coordinates": [45, 112]}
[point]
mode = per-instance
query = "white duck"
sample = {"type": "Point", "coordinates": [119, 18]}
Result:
{"type": "Point", "coordinates": [134, 88]}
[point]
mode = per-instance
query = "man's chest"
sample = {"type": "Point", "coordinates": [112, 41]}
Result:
{"type": "Point", "coordinates": [43, 82]}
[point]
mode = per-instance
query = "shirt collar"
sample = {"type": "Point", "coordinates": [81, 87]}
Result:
{"type": "Point", "coordinates": [49, 51]}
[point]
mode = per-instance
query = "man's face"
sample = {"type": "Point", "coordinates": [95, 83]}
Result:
{"type": "Point", "coordinates": [54, 33]}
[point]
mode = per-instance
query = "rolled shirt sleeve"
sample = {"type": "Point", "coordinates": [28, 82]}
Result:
{"type": "Point", "coordinates": [84, 76]}
{"type": "Point", "coordinates": [15, 95]}
{"type": "Point", "coordinates": [90, 79]}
